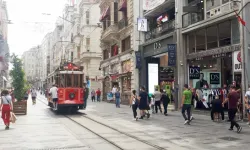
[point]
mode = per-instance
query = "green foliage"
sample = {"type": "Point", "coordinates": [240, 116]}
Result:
{"type": "Point", "coordinates": [19, 84]}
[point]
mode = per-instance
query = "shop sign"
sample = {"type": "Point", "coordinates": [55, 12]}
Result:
{"type": "Point", "coordinates": [214, 78]}
{"type": "Point", "coordinates": [194, 72]}
{"type": "Point", "coordinates": [157, 45]}
{"type": "Point", "coordinates": [171, 54]}
{"type": "Point", "coordinates": [126, 66]}
{"type": "Point", "coordinates": [220, 50]}
{"type": "Point", "coordinates": [138, 59]}
{"type": "Point", "coordinates": [237, 67]}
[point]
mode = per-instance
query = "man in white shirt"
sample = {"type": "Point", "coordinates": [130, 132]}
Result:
{"type": "Point", "coordinates": [54, 96]}
{"type": "Point", "coordinates": [157, 95]}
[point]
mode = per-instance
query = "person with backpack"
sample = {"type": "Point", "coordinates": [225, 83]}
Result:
{"type": "Point", "coordinates": [134, 103]}
{"type": "Point", "coordinates": [117, 98]}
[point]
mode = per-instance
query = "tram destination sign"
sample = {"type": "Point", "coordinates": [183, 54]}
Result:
{"type": "Point", "coordinates": [216, 51]}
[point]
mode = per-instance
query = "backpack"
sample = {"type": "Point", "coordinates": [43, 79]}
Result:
{"type": "Point", "coordinates": [117, 94]}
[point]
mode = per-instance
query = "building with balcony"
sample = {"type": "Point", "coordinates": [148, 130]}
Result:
{"type": "Point", "coordinates": [159, 49]}
{"type": "Point", "coordinates": [4, 48]}
{"type": "Point", "coordinates": [32, 66]}
{"type": "Point", "coordinates": [86, 37]}
{"type": "Point", "coordinates": [119, 41]}
{"type": "Point", "coordinates": [211, 42]}
{"type": "Point", "coordinates": [45, 48]}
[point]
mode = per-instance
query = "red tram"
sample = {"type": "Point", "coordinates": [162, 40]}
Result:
{"type": "Point", "coordinates": [69, 80]}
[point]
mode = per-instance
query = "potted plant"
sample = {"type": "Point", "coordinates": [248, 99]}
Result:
{"type": "Point", "coordinates": [20, 86]}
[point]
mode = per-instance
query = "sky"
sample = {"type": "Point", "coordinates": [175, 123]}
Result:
{"type": "Point", "coordinates": [29, 24]}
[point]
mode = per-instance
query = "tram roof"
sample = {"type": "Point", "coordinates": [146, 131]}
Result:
{"type": "Point", "coordinates": [70, 72]}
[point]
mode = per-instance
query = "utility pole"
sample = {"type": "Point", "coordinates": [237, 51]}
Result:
{"type": "Point", "coordinates": [243, 71]}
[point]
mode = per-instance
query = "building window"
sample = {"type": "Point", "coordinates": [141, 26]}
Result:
{"type": "Point", "coordinates": [126, 84]}
{"type": "Point", "coordinates": [105, 54]}
{"type": "Point", "coordinates": [114, 50]}
{"type": "Point", "coordinates": [212, 37]}
{"type": "Point", "coordinates": [72, 55]}
{"type": "Point", "coordinates": [191, 42]}
{"type": "Point", "coordinates": [212, 4]}
{"type": "Point", "coordinates": [88, 41]}
{"type": "Point", "coordinates": [225, 33]}
{"type": "Point", "coordinates": [116, 12]}
{"type": "Point", "coordinates": [87, 17]}
{"type": "Point", "coordinates": [126, 44]}
{"type": "Point", "coordinates": [78, 51]}
{"type": "Point", "coordinates": [235, 31]}
{"type": "Point", "coordinates": [200, 40]}
{"type": "Point", "coordinates": [225, 1]}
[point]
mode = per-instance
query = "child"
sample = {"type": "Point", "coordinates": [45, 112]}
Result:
{"type": "Point", "coordinates": [153, 104]}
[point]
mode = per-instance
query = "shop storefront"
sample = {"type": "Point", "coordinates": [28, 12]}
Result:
{"type": "Point", "coordinates": [211, 72]}
{"type": "Point", "coordinates": [106, 83]}
{"type": "Point", "coordinates": [125, 78]}
{"type": "Point", "coordinates": [210, 60]}
{"type": "Point", "coordinates": [158, 65]}
{"type": "Point", "coordinates": [114, 74]}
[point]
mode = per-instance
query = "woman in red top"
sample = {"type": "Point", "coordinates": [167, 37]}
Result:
{"type": "Point", "coordinates": [98, 95]}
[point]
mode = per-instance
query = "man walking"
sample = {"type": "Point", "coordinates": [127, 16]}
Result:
{"type": "Point", "coordinates": [86, 95]}
{"type": "Point", "coordinates": [165, 100]}
{"type": "Point", "coordinates": [98, 95]}
{"type": "Point", "coordinates": [157, 97]}
{"type": "Point", "coordinates": [53, 92]}
{"type": "Point", "coordinates": [233, 99]}
{"type": "Point", "coordinates": [186, 104]}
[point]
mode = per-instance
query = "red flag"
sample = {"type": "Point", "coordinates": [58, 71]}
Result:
{"type": "Point", "coordinates": [240, 19]}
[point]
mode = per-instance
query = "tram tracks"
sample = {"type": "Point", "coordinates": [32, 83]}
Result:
{"type": "Point", "coordinates": [99, 129]}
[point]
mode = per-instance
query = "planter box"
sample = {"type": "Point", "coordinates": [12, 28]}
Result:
{"type": "Point", "coordinates": [20, 108]}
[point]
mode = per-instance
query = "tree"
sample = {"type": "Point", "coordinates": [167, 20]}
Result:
{"type": "Point", "coordinates": [19, 84]}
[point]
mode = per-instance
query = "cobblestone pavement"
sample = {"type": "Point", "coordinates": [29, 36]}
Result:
{"type": "Point", "coordinates": [41, 129]}
{"type": "Point", "coordinates": [162, 130]}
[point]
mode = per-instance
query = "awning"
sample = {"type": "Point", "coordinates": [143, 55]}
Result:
{"type": "Point", "coordinates": [123, 7]}
{"type": "Point", "coordinates": [105, 14]}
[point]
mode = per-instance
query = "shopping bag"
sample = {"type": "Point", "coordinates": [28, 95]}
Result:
{"type": "Point", "coordinates": [13, 117]}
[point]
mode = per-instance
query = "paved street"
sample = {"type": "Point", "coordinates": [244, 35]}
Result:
{"type": "Point", "coordinates": [42, 129]}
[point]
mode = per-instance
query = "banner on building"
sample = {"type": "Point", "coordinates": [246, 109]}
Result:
{"type": "Point", "coordinates": [151, 4]}
{"type": "Point", "coordinates": [237, 66]}
{"type": "Point", "coordinates": [171, 54]}
{"type": "Point", "coordinates": [138, 59]}
{"type": "Point", "coordinates": [142, 24]}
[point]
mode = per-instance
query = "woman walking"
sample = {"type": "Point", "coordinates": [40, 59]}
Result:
{"type": "Point", "coordinates": [6, 107]}
{"type": "Point", "coordinates": [143, 104]}
{"type": "Point", "coordinates": [134, 103]}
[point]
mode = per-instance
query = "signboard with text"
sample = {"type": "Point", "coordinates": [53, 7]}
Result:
{"type": "Point", "coordinates": [237, 66]}
{"type": "Point", "coordinates": [214, 78]}
{"type": "Point", "coordinates": [171, 54]}
{"type": "Point", "coordinates": [194, 72]}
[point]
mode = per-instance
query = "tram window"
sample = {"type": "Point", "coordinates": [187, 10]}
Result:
{"type": "Point", "coordinates": [62, 80]}
{"type": "Point", "coordinates": [68, 80]}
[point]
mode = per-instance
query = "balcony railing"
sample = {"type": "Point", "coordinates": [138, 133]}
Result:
{"type": "Point", "coordinates": [191, 18]}
{"type": "Point", "coordinates": [159, 31]}
{"type": "Point", "coordinates": [122, 23]}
